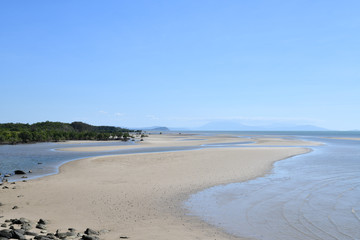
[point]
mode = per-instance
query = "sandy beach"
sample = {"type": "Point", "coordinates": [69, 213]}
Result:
{"type": "Point", "coordinates": [140, 195]}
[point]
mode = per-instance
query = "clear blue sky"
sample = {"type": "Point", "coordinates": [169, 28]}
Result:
{"type": "Point", "coordinates": [180, 63]}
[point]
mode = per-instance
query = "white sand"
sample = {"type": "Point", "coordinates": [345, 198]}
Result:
{"type": "Point", "coordinates": [138, 195]}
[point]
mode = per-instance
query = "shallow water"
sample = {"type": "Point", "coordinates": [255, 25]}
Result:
{"type": "Point", "coordinates": [311, 196]}
{"type": "Point", "coordinates": [28, 156]}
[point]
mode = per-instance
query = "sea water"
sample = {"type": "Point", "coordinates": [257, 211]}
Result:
{"type": "Point", "coordinates": [310, 196]}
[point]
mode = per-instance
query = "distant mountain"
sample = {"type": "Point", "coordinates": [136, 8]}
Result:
{"type": "Point", "coordinates": [236, 126]}
{"type": "Point", "coordinates": [155, 128]}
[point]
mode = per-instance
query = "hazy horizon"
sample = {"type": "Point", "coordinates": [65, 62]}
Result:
{"type": "Point", "coordinates": [181, 64]}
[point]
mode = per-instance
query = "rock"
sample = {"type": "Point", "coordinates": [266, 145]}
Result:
{"type": "Point", "coordinates": [90, 231]}
{"type": "Point", "coordinates": [20, 195]}
{"type": "Point", "coordinates": [15, 207]}
{"type": "Point", "coordinates": [39, 163]}
{"type": "Point", "coordinates": [90, 237]}
{"type": "Point", "coordinates": [5, 233]}
{"type": "Point", "coordinates": [4, 225]}
{"type": "Point", "coordinates": [13, 183]}
{"type": "Point", "coordinates": [13, 187]}
{"type": "Point", "coordinates": [24, 177]}
{"type": "Point", "coordinates": [41, 226]}
{"type": "Point", "coordinates": [19, 172]}
{"type": "Point", "coordinates": [26, 226]}
{"type": "Point", "coordinates": [24, 220]}
{"type": "Point", "coordinates": [61, 235]}
{"type": "Point", "coordinates": [7, 175]}
{"type": "Point", "coordinates": [42, 221]}
{"type": "Point", "coordinates": [18, 234]}
{"type": "Point", "coordinates": [43, 231]}
{"type": "Point", "coordinates": [21, 231]}
{"type": "Point", "coordinates": [1, 204]}
{"type": "Point", "coordinates": [24, 180]}
{"type": "Point", "coordinates": [30, 171]}
{"type": "Point", "coordinates": [72, 229]}
{"type": "Point", "coordinates": [41, 237]}
{"type": "Point", "coordinates": [124, 237]}
{"type": "Point", "coordinates": [31, 233]}
{"type": "Point", "coordinates": [51, 235]}
{"type": "Point", "coordinates": [5, 187]}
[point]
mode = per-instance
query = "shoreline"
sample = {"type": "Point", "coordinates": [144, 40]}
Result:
{"type": "Point", "coordinates": [165, 207]}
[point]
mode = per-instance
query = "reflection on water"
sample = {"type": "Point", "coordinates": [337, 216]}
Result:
{"type": "Point", "coordinates": [312, 196]}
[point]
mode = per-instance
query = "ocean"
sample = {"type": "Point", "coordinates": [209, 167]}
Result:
{"type": "Point", "coordinates": [310, 196]}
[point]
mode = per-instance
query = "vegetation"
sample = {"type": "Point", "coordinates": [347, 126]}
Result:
{"type": "Point", "coordinates": [12, 133]}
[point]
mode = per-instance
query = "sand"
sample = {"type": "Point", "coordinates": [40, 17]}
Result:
{"type": "Point", "coordinates": [138, 195]}
{"type": "Point", "coordinates": [171, 140]}
{"type": "Point", "coordinates": [346, 138]}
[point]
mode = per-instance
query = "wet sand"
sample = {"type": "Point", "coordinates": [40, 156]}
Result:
{"type": "Point", "coordinates": [140, 195]}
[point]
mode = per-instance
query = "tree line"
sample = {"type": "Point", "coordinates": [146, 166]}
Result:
{"type": "Point", "coordinates": [12, 133]}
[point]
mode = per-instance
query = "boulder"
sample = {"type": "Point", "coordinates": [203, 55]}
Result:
{"type": "Point", "coordinates": [41, 226]}
{"type": "Point", "coordinates": [6, 233]}
{"type": "Point", "coordinates": [17, 234]}
{"type": "Point", "coordinates": [90, 237]}
{"type": "Point", "coordinates": [42, 221]}
{"type": "Point", "coordinates": [90, 231]}
{"type": "Point", "coordinates": [31, 233]}
{"type": "Point", "coordinates": [19, 172]}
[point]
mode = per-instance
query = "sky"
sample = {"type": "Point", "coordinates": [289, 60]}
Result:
{"type": "Point", "coordinates": [181, 63]}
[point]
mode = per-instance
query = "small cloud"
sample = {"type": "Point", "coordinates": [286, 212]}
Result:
{"type": "Point", "coordinates": [119, 114]}
{"type": "Point", "coordinates": [103, 112]}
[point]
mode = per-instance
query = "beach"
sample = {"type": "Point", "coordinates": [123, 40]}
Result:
{"type": "Point", "coordinates": [140, 196]}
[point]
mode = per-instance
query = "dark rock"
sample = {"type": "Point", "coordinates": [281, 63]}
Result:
{"type": "Point", "coordinates": [51, 235]}
{"type": "Point", "coordinates": [90, 237]}
{"type": "Point", "coordinates": [17, 234]}
{"type": "Point", "coordinates": [41, 226]}
{"type": "Point", "coordinates": [3, 238]}
{"type": "Point", "coordinates": [72, 229]}
{"type": "Point", "coordinates": [7, 220]}
{"type": "Point", "coordinates": [13, 187]}
{"type": "Point", "coordinates": [42, 221]}
{"type": "Point", "coordinates": [21, 231]}
{"type": "Point", "coordinates": [7, 175]}
{"type": "Point", "coordinates": [6, 233]}
{"type": "Point", "coordinates": [5, 187]}
{"type": "Point", "coordinates": [4, 225]}
{"type": "Point", "coordinates": [24, 177]}
{"type": "Point", "coordinates": [15, 221]}
{"type": "Point", "coordinates": [31, 233]}
{"type": "Point", "coordinates": [15, 207]}
{"type": "Point", "coordinates": [1, 204]}
{"type": "Point", "coordinates": [24, 220]}
{"type": "Point", "coordinates": [13, 183]}
{"type": "Point", "coordinates": [30, 171]}
{"type": "Point", "coordinates": [20, 196]}
{"type": "Point", "coordinates": [61, 235]}
{"type": "Point", "coordinates": [124, 237]}
{"type": "Point", "coordinates": [19, 172]}
{"type": "Point", "coordinates": [90, 231]}
{"type": "Point", "coordinates": [24, 180]}
{"type": "Point", "coordinates": [42, 237]}
{"type": "Point", "coordinates": [39, 163]}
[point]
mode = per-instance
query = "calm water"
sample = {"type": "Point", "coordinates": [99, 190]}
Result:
{"type": "Point", "coordinates": [312, 196]}
{"type": "Point", "coordinates": [28, 156]}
